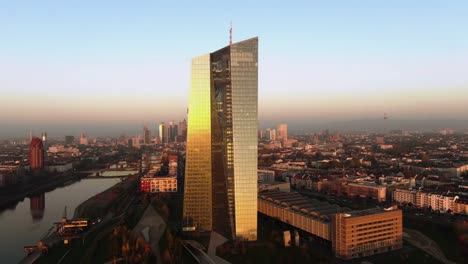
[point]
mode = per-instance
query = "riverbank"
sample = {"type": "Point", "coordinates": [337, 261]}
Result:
{"type": "Point", "coordinates": [111, 206]}
{"type": "Point", "coordinates": [8, 201]}
{"type": "Point", "coordinates": [113, 200]}
{"type": "Point", "coordinates": [30, 220]}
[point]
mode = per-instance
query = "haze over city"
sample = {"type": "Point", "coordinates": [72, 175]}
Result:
{"type": "Point", "coordinates": [102, 66]}
{"type": "Point", "coordinates": [233, 132]}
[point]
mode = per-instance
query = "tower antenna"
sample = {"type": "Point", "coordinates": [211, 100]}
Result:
{"type": "Point", "coordinates": [230, 35]}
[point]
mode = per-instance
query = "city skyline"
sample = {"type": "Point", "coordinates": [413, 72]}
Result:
{"type": "Point", "coordinates": [129, 66]}
{"type": "Point", "coordinates": [166, 132]}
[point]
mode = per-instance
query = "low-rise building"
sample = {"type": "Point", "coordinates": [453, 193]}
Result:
{"type": "Point", "coordinates": [352, 234]}
{"type": "Point", "coordinates": [421, 199]}
{"type": "Point", "coordinates": [266, 176]}
{"type": "Point", "coordinates": [366, 190]}
{"type": "Point", "coordinates": [274, 186]}
{"type": "Point", "coordinates": [460, 207]}
{"type": "Point", "coordinates": [158, 184]}
{"type": "Point", "coordinates": [366, 232]}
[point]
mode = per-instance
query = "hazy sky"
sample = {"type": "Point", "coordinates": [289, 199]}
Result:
{"type": "Point", "coordinates": [128, 62]}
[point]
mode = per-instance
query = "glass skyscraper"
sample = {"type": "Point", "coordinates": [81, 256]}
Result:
{"type": "Point", "coordinates": [221, 164]}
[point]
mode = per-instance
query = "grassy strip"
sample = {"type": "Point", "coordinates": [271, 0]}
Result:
{"type": "Point", "coordinates": [445, 235]}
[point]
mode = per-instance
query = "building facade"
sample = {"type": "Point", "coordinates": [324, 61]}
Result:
{"type": "Point", "coordinates": [377, 192]}
{"type": "Point", "coordinates": [36, 154]}
{"type": "Point", "coordinates": [352, 234]}
{"type": "Point", "coordinates": [182, 131]}
{"type": "Point", "coordinates": [164, 133]}
{"type": "Point", "coordinates": [83, 139]}
{"type": "Point", "coordinates": [421, 199]}
{"type": "Point", "coordinates": [221, 162]}
{"type": "Point", "coordinates": [282, 132]}
{"type": "Point", "coordinates": [366, 232]}
{"type": "Point", "coordinates": [158, 184]}
{"type": "Point", "coordinates": [270, 134]}
{"type": "Point", "coordinates": [173, 131]}
{"type": "Point", "coordinates": [147, 135]}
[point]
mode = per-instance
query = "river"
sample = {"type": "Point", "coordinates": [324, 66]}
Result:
{"type": "Point", "coordinates": [33, 217]}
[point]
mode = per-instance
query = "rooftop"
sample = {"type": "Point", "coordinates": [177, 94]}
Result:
{"type": "Point", "coordinates": [303, 205]}
{"type": "Point", "coordinates": [371, 211]}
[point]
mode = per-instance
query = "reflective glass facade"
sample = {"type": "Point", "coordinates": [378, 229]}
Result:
{"type": "Point", "coordinates": [222, 142]}
{"type": "Point", "coordinates": [244, 80]}
{"type": "Point", "coordinates": [197, 188]}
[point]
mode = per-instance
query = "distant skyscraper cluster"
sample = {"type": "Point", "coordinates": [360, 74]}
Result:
{"type": "Point", "coordinates": [272, 134]}
{"type": "Point", "coordinates": [221, 162]}
{"type": "Point", "coordinates": [171, 132]}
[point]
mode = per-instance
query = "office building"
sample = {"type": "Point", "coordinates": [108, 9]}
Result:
{"type": "Point", "coordinates": [367, 232]}
{"type": "Point", "coordinates": [36, 154]}
{"type": "Point", "coordinates": [270, 134]}
{"type": "Point", "coordinates": [351, 234]}
{"type": "Point", "coordinates": [366, 190]}
{"type": "Point", "coordinates": [159, 184]}
{"type": "Point", "coordinates": [44, 139]}
{"type": "Point", "coordinates": [83, 139]}
{"type": "Point", "coordinates": [182, 131]}
{"type": "Point", "coordinates": [163, 133]}
{"type": "Point", "coordinates": [221, 161]}
{"type": "Point", "coordinates": [282, 132]}
{"type": "Point", "coordinates": [146, 135]}
{"type": "Point", "coordinates": [172, 131]}
{"type": "Point", "coordinates": [136, 141]}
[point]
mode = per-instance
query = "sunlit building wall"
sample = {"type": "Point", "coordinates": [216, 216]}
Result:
{"type": "Point", "coordinates": [197, 187]}
{"type": "Point", "coordinates": [366, 232]}
{"type": "Point", "coordinates": [351, 234]}
{"type": "Point", "coordinates": [36, 154]}
{"type": "Point", "coordinates": [221, 163]}
{"type": "Point", "coordinates": [164, 133]}
{"type": "Point", "coordinates": [282, 132]}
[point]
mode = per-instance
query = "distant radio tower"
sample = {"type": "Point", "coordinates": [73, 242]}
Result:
{"type": "Point", "coordinates": [230, 35]}
{"type": "Point", "coordinates": [385, 116]}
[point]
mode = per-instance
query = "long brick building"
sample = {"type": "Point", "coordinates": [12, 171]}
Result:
{"type": "Point", "coordinates": [352, 234]}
